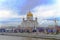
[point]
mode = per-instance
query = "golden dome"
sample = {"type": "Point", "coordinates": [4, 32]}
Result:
{"type": "Point", "coordinates": [29, 14]}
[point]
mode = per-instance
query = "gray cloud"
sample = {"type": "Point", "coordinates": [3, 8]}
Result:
{"type": "Point", "coordinates": [30, 4]}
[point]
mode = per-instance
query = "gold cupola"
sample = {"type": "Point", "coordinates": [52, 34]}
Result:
{"type": "Point", "coordinates": [29, 14]}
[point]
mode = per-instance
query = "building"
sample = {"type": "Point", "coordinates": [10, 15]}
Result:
{"type": "Point", "coordinates": [29, 21]}
{"type": "Point", "coordinates": [58, 28]}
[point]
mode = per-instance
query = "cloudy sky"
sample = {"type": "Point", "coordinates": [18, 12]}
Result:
{"type": "Point", "coordinates": [15, 10]}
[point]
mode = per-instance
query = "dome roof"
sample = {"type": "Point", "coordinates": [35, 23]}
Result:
{"type": "Point", "coordinates": [29, 14]}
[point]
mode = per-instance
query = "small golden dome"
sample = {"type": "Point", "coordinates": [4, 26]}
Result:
{"type": "Point", "coordinates": [29, 14]}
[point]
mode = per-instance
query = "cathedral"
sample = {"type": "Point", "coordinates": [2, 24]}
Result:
{"type": "Point", "coordinates": [29, 21]}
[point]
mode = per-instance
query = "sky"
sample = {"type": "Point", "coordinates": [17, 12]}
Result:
{"type": "Point", "coordinates": [15, 10]}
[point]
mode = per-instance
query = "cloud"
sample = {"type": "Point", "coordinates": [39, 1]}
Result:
{"type": "Point", "coordinates": [16, 5]}
{"type": "Point", "coordinates": [8, 14]}
{"type": "Point", "coordinates": [47, 11]}
{"type": "Point", "coordinates": [30, 4]}
{"type": "Point", "coordinates": [41, 8]}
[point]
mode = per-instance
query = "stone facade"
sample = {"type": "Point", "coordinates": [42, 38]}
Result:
{"type": "Point", "coordinates": [29, 22]}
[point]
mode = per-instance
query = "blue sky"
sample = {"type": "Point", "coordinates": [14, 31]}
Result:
{"type": "Point", "coordinates": [22, 5]}
{"type": "Point", "coordinates": [15, 10]}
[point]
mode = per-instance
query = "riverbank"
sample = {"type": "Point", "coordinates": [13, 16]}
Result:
{"type": "Point", "coordinates": [33, 35]}
{"type": "Point", "coordinates": [3, 37]}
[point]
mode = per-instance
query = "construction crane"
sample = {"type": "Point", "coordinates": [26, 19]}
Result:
{"type": "Point", "coordinates": [53, 19]}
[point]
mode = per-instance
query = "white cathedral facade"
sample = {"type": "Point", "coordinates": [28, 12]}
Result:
{"type": "Point", "coordinates": [29, 22]}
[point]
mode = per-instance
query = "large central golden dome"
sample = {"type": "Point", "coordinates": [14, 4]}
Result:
{"type": "Point", "coordinates": [29, 14]}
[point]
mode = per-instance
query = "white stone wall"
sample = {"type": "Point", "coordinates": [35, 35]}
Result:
{"type": "Point", "coordinates": [30, 18]}
{"type": "Point", "coordinates": [29, 24]}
